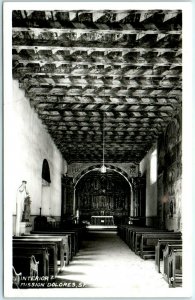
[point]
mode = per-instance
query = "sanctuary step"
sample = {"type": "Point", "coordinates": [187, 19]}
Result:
{"type": "Point", "coordinates": [101, 227]}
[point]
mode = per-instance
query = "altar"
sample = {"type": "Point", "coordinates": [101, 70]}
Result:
{"type": "Point", "coordinates": [102, 220]}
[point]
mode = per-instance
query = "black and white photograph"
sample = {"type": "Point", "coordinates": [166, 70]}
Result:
{"type": "Point", "coordinates": [97, 161]}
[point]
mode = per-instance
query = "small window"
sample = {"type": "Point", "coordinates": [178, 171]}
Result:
{"type": "Point", "coordinates": [46, 171]}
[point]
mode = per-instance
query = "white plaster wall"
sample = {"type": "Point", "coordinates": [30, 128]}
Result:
{"type": "Point", "coordinates": [150, 169]}
{"type": "Point", "coordinates": [26, 145]}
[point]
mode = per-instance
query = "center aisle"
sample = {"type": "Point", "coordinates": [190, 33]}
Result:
{"type": "Point", "coordinates": [105, 261]}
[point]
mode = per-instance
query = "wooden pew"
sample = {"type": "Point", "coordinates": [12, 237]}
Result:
{"type": "Point", "coordinates": [159, 250]}
{"type": "Point", "coordinates": [79, 228]}
{"type": "Point", "coordinates": [131, 234]}
{"type": "Point", "coordinates": [41, 254]}
{"type": "Point", "coordinates": [137, 236]}
{"type": "Point", "coordinates": [59, 240]}
{"type": "Point", "coordinates": [56, 240]}
{"type": "Point", "coordinates": [76, 238]}
{"type": "Point", "coordinates": [66, 242]}
{"type": "Point", "coordinates": [126, 233]}
{"type": "Point", "coordinates": [15, 278]}
{"type": "Point", "coordinates": [175, 268]}
{"type": "Point", "coordinates": [72, 234]}
{"type": "Point", "coordinates": [49, 244]}
{"type": "Point", "coordinates": [150, 240]}
{"type": "Point", "coordinates": [166, 253]}
{"type": "Point", "coordinates": [27, 264]}
{"type": "Point", "coordinates": [123, 232]}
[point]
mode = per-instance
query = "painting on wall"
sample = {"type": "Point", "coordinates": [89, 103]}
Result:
{"type": "Point", "coordinates": [172, 206]}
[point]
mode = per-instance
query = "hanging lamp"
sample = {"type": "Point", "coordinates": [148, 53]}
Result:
{"type": "Point", "coordinates": [103, 167]}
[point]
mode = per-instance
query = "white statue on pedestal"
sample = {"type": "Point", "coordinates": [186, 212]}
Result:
{"type": "Point", "coordinates": [21, 195]}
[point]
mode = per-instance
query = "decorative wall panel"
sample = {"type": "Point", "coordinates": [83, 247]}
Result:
{"type": "Point", "coordinates": [170, 175]}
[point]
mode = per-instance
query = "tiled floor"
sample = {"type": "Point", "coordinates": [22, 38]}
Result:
{"type": "Point", "coordinates": [105, 261]}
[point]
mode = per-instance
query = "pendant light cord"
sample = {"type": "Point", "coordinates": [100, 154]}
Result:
{"type": "Point", "coordinates": [103, 139]}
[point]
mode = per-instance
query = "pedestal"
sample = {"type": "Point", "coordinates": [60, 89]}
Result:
{"type": "Point", "coordinates": [25, 227]}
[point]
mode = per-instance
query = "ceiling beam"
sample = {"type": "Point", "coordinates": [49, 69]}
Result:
{"type": "Point", "coordinates": [59, 101]}
{"type": "Point", "coordinates": [59, 63]}
{"type": "Point", "coordinates": [131, 92]}
{"type": "Point", "coordinates": [87, 73]}
{"type": "Point", "coordinates": [106, 50]}
{"type": "Point", "coordinates": [99, 83]}
{"type": "Point", "coordinates": [35, 32]}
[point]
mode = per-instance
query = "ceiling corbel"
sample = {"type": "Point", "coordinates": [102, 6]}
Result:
{"type": "Point", "coordinates": [161, 36]}
{"type": "Point", "coordinates": [120, 16]}
{"type": "Point", "coordinates": [173, 66]}
{"type": "Point", "coordinates": [18, 50]}
{"type": "Point", "coordinates": [145, 15]}
{"type": "Point", "coordinates": [140, 35]}
{"type": "Point", "coordinates": [53, 15]}
{"type": "Point", "coordinates": [99, 76]}
{"type": "Point", "coordinates": [132, 84]}
{"type": "Point", "coordinates": [42, 63]}
{"type": "Point", "coordinates": [72, 15]}
{"type": "Point", "coordinates": [54, 51]}
{"type": "Point", "coordinates": [56, 35]}
{"type": "Point", "coordinates": [48, 15]}
{"type": "Point", "coordinates": [89, 52]}
{"type": "Point", "coordinates": [118, 36]}
{"type": "Point", "coordinates": [58, 64]}
{"type": "Point", "coordinates": [71, 51]}
{"type": "Point", "coordinates": [179, 52]}
{"type": "Point", "coordinates": [161, 52]}
{"type": "Point", "coordinates": [169, 15]}
{"type": "Point", "coordinates": [36, 49]}
{"type": "Point", "coordinates": [125, 52]}
{"type": "Point", "coordinates": [97, 16]}
{"type": "Point", "coordinates": [28, 12]}
{"type": "Point", "coordinates": [23, 12]}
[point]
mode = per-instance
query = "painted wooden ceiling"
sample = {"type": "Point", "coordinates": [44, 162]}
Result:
{"type": "Point", "coordinates": [86, 72]}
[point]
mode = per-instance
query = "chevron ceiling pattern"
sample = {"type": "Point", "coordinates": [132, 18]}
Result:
{"type": "Point", "coordinates": [86, 72]}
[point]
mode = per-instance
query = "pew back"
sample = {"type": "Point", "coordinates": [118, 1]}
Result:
{"type": "Point", "coordinates": [50, 245]}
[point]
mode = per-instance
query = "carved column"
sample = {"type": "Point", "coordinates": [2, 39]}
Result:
{"type": "Point", "coordinates": [137, 208]}
{"type": "Point", "coordinates": [68, 206]}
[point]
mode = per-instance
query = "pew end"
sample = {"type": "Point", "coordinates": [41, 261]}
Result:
{"type": "Point", "coordinates": [15, 278]}
{"type": "Point", "coordinates": [34, 266]}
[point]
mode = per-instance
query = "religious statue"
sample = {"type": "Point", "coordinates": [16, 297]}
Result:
{"type": "Point", "coordinates": [26, 211]}
{"type": "Point", "coordinates": [21, 196]}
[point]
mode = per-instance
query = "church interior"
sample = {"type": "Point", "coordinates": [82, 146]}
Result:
{"type": "Point", "coordinates": [95, 148]}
